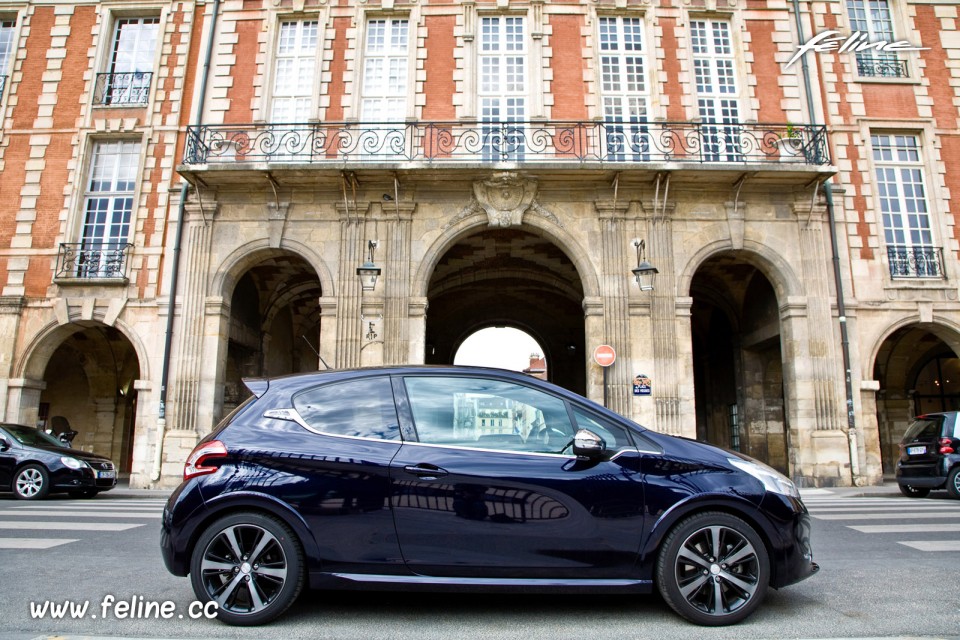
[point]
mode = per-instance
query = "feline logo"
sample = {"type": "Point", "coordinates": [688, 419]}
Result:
{"type": "Point", "coordinates": [857, 42]}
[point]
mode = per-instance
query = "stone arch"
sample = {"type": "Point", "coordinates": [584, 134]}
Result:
{"type": "Point", "coordinates": [531, 223]}
{"type": "Point", "coordinates": [248, 255]}
{"type": "Point", "coordinates": [33, 362]}
{"type": "Point", "coordinates": [86, 371]}
{"type": "Point", "coordinates": [767, 260]}
{"type": "Point", "coordinates": [906, 385]}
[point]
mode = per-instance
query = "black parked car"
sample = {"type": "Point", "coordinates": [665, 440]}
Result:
{"type": "Point", "coordinates": [930, 455]}
{"type": "Point", "coordinates": [34, 464]}
{"type": "Point", "coordinates": [455, 478]}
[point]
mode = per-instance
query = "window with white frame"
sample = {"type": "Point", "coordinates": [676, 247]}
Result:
{"type": "Point", "coordinates": [386, 56]}
{"type": "Point", "coordinates": [108, 208]}
{"type": "Point", "coordinates": [873, 18]}
{"type": "Point", "coordinates": [7, 31]}
{"type": "Point", "coordinates": [130, 68]}
{"type": "Point", "coordinates": [623, 86]}
{"type": "Point", "coordinates": [384, 89]}
{"type": "Point", "coordinates": [902, 196]}
{"type": "Point", "coordinates": [502, 89]}
{"type": "Point", "coordinates": [715, 74]}
{"type": "Point", "coordinates": [294, 71]}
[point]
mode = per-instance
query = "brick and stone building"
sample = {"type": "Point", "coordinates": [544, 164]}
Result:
{"type": "Point", "coordinates": [188, 189]}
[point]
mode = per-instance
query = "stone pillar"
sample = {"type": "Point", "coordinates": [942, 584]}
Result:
{"type": "Point", "coordinates": [593, 324]}
{"type": "Point", "coordinates": [614, 279]}
{"type": "Point", "coordinates": [397, 259]}
{"type": "Point", "coordinates": [664, 312]}
{"type": "Point", "coordinates": [353, 253]}
{"type": "Point", "coordinates": [216, 336]}
{"type": "Point", "coordinates": [328, 332]}
{"type": "Point", "coordinates": [417, 324]}
{"type": "Point", "coordinates": [183, 396]}
{"type": "Point", "coordinates": [11, 308]}
{"type": "Point", "coordinates": [23, 400]}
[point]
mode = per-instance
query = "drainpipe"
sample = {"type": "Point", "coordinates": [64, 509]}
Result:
{"type": "Point", "coordinates": [838, 282]}
{"type": "Point", "coordinates": [175, 268]}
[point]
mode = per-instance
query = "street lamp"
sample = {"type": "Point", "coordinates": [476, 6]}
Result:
{"type": "Point", "coordinates": [368, 271]}
{"type": "Point", "coordinates": [644, 271]}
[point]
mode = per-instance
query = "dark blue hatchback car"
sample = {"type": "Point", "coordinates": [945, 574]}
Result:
{"type": "Point", "coordinates": [455, 478]}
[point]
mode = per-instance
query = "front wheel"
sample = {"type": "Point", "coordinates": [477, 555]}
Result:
{"type": "Point", "coordinates": [713, 569]}
{"type": "Point", "coordinates": [953, 483]}
{"type": "Point", "coordinates": [251, 565]}
{"type": "Point", "coordinates": [32, 482]}
{"type": "Point", "coordinates": [913, 492]}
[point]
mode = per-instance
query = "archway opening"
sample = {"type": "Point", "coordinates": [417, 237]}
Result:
{"type": "Point", "coordinates": [274, 324]}
{"type": "Point", "coordinates": [90, 382]}
{"type": "Point", "coordinates": [738, 364]}
{"type": "Point", "coordinates": [512, 278]}
{"type": "Point", "coordinates": [504, 348]}
{"type": "Point", "coordinates": [918, 373]}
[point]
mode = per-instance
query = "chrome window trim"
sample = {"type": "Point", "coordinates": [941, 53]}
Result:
{"type": "Point", "coordinates": [292, 415]}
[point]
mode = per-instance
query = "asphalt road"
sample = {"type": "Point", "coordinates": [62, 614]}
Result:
{"type": "Point", "coordinates": [873, 583]}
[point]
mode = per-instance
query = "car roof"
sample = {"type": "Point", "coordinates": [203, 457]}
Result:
{"type": "Point", "coordinates": [259, 386]}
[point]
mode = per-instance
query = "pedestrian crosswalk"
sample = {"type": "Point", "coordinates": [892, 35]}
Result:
{"type": "Point", "coordinates": [921, 524]}
{"type": "Point", "coordinates": [44, 524]}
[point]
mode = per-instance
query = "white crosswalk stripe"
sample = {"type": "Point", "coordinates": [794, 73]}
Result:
{"type": "Point", "coordinates": [924, 525]}
{"type": "Point", "coordinates": [74, 516]}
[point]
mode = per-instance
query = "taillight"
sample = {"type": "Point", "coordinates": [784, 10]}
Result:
{"type": "Point", "coordinates": [946, 445]}
{"type": "Point", "coordinates": [196, 462]}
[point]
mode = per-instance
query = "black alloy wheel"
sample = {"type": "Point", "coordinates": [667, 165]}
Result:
{"type": "Point", "coordinates": [251, 565]}
{"type": "Point", "coordinates": [713, 569]}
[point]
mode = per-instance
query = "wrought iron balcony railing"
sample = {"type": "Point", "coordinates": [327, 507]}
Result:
{"type": "Point", "coordinates": [870, 67]}
{"type": "Point", "coordinates": [508, 142]}
{"type": "Point", "coordinates": [129, 89]}
{"type": "Point", "coordinates": [915, 262]}
{"type": "Point", "coordinates": [93, 260]}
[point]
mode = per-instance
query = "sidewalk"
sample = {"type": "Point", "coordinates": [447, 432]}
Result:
{"type": "Point", "coordinates": [887, 489]}
{"type": "Point", "coordinates": [123, 490]}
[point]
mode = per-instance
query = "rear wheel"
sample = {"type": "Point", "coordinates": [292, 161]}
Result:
{"type": "Point", "coordinates": [914, 492]}
{"type": "Point", "coordinates": [251, 565]}
{"type": "Point", "coordinates": [953, 483]}
{"type": "Point", "coordinates": [713, 569]}
{"type": "Point", "coordinates": [32, 482]}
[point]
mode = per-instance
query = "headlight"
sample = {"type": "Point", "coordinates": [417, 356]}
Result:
{"type": "Point", "coordinates": [772, 479]}
{"type": "Point", "coordinates": [73, 463]}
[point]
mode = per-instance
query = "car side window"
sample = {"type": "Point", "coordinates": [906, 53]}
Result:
{"type": "Point", "coordinates": [614, 435]}
{"type": "Point", "coordinates": [487, 414]}
{"type": "Point", "coordinates": [361, 408]}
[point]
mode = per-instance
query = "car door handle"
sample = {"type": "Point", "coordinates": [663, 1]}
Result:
{"type": "Point", "coordinates": [425, 471]}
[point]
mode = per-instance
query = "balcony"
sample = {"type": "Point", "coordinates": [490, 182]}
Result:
{"type": "Point", "coordinates": [122, 89]}
{"type": "Point", "coordinates": [885, 67]}
{"type": "Point", "coordinates": [915, 262]}
{"type": "Point", "coordinates": [508, 143]}
{"type": "Point", "coordinates": [93, 261]}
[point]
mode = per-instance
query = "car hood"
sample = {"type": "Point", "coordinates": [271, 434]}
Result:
{"type": "Point", "coordinates": [66, 451]}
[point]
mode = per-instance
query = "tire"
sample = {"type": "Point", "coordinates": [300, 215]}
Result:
{"type": "Point", "coordinates": [695, 579]}
{"type": "Point", "coordinates": [83, 493]}
{"type": "Point", "coordinates": [953, 483]}
{"type": "Point", "coordinates": [31, 482]}
{"type": "Point", "coordinates": [262, 582]}
{"type": "Point", "coordinates": [913, 492]}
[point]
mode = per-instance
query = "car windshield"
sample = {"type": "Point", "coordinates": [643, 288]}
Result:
{"type": "Point", "coordinates": [30, 436]}
{"type": "Point", "coordinates": [925, 428]}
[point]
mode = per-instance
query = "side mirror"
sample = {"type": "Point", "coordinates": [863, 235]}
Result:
{"type": "Point", "coordinates": [587, 444]}
{"type": "Point", "coordinates": [4, 445]}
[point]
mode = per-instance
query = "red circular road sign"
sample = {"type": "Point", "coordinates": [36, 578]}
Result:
{"type": "Point", "coordinates": [604, 355]}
